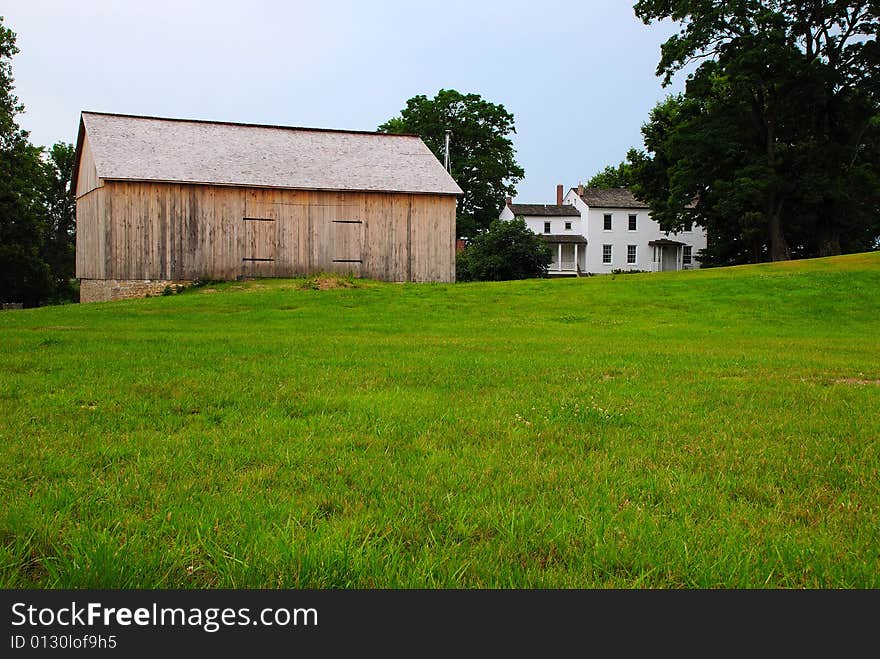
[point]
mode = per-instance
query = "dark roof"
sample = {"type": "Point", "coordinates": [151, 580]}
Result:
{"type": "Point", "coordinates": [664, 241]}
{"type": "Point", "coordinates": [129, 147]}
{"type": "Point", "coordinates": [545, 210]}
{"type": "Point", "coordinates": [563, 238]}
{"type": "Point", "coordinates": [611, 198]}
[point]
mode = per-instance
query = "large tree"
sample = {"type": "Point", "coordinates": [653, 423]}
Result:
{"type": "Point", "coordinates": [60, 203]}
{"type": "Point", "coordinates": [24, 275]}
{"type": "Point", "coordinates": [482, 157]}
{"type": "Point", "coordinates": [773, 145]}
{"type": "Point", "coordinates": [37, 241]}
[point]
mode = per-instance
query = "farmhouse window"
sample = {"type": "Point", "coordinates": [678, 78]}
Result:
{"type": "Point", "coordinates": [631, 254]}
{"type": "Point", "coordinates": [607, 226]}
{"type": "Point", "coordinates": [568, 226]}
{"type": "Point", "coordinates": [546, 227]}
{"type": "Point", "coordinates": [633, 222]}
{"type": "Point", "coordinates": [606, 253]}
{"type": "Point", "coordinates": [686, 255]}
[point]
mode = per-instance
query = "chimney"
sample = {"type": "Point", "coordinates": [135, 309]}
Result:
{"type": "Point", "coordinates": [580, 189]}
{"type": "Point", "coordinates": [508, 201]}
{"type": "Point", "coordinates": [559, 195]}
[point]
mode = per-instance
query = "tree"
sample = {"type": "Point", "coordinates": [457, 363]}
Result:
{"type": "Point", "coordinates": [613, 177]}
{"type": "Point", "coordinates": [508, 250]}
{"type": "Point", "coordinates": [60, 246]}
{"type": "Point", "coordinates": [773, 143]}
{"type": "Point", "coordinates": [37, 206]}
{"type": "Point", "coordinates": [482, 157]}
{"type": "Point", "coordinates": [24, 275]}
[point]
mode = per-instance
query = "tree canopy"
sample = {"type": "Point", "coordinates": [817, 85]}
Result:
{"type": "Point", "coordinates": [60, 211]}
{"type": "Point", "coordinates": [37, 241]}
{"type": "Point", "coordinates": [773, 146]}
{"type": "Point", "coordinates": [482, 157]}
{"type": "Point", "coordinates": [620, 176]}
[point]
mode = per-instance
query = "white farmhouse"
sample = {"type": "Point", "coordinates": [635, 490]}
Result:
{"type": "Point", "coordinates": [560, 226]}
{"type": "Point", "coordinates": [611, 230]}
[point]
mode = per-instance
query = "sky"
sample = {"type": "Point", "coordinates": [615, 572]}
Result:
{"type": "Point", "coordinates": [578, 77]}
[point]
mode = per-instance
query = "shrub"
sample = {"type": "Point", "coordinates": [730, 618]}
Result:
{"type": "Point", "coordinates": [462, 266]}
{"type": "Point", "coordinates": [508, 250]}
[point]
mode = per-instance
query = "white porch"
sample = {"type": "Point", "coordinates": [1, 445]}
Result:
{"type": "Point", "coordinates": [569, 254]}
{"type": "Point", "coordinates": [667, 255]}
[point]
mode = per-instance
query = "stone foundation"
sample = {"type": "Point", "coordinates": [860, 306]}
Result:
{"type": "Point", "coordinates": [103, 290]}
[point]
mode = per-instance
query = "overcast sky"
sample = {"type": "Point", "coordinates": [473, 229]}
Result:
{"type": "Point", "coordinates": [577, 76]}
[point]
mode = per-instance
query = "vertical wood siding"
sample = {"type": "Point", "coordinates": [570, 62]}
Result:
{"type": "Point", "coordinates": [90, 229]}
{"type": "Point", "coordinates": [133, 230]}
{"type": "Point", "coordinates": [87, 176]}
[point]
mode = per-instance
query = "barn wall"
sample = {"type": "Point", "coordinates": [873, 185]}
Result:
{"type": "Point", "coordinates": [181, 232]}
{"type": "Point", "coordinates": [87, 176]}
{"type": "Point", "coordinates": [433, 242]}
{"type": "Point", "coordinates": [90, 235]}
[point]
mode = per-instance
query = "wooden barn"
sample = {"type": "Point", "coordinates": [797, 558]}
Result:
{"type": "Point", "coordinates": [168, 201]}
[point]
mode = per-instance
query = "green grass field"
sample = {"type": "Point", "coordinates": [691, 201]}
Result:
{"type": "Point", "coordinates": [714, 429]}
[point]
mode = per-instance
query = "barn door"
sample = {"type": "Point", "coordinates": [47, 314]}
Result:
{"type": "Point", "coordinates": [260, 244]}
{"type": "Point", "coordinates": [348, 244]}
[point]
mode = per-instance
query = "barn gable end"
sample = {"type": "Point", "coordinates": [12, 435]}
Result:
{"type": "Point", "coordinates": [87, 172]}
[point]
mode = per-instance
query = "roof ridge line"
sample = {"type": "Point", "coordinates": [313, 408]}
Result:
{"type": "Point", "coordinates": [245, 124]}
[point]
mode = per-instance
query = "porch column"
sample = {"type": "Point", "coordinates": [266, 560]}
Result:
{"type": "Point", "coordinates": [575, 257]}
{"type": "Point", "coordinates": [559, 260]}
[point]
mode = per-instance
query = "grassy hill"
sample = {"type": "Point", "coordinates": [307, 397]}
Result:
{"type": "Point", "coordinates": [698, 429]}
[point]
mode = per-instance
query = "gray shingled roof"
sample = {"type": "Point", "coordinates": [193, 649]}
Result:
{"type": "Point", "coordinates": [611, 198]}
{"type": "Point", "coordinates": [153, 149]}
{"type": "Point", "coordinates": [562, 238]}
{"type": "Point", "coordinates": [544, 210]}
